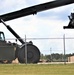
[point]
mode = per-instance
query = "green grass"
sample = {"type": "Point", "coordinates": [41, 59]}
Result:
{"type": "Point", "coordinates": [36, 69]}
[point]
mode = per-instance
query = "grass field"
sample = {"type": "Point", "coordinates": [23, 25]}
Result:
{"type": "Point", "coordinates": [36, 69]}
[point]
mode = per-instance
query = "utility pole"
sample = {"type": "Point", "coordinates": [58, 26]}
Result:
{"type": "Point", "coordinates": [51, 54]}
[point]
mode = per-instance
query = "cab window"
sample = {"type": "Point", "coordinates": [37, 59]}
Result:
{"type": "Point", "coordinates": [2, 36]}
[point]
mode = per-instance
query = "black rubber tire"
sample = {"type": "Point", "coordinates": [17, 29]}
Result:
{"type": "Point", "coordinates": [33, 54]}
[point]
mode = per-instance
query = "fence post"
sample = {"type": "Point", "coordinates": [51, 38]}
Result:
{"type": "Point", "coordinates": [25, 50]}
{"type": "Point", "coordinates": [64, 49]}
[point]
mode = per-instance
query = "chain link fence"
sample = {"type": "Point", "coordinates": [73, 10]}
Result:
{"type": "Point", "coordinates": [50, 46]}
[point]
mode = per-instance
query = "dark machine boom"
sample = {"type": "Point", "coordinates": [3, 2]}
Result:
{"type": "Point", "coordinates": [34, 9]}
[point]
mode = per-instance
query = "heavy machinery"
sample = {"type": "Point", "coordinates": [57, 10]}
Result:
{"type": "Point", "coordinates": [10, 51]}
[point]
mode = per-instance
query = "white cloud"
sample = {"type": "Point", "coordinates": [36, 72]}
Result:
{"type": "Point", "coordinates": [11, 5]}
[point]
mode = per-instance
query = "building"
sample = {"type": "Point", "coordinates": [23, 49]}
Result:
{"type": "Point", "coordinates": [71, 59]}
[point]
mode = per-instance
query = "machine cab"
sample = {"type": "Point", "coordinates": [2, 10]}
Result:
{"type": "Point", "coordinates": [2, 37]}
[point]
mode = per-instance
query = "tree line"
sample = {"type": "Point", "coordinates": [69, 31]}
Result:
{"type": "Point", "coordinates": [56, 57]}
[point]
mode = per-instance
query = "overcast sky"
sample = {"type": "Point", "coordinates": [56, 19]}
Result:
{"type": "Point", "coordinates": [46, 24]}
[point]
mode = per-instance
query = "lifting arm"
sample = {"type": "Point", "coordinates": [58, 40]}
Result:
{"type": "Point", "coordinates": [13, 32]}
{"type": "Point", "coordinates": [34, 9]}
